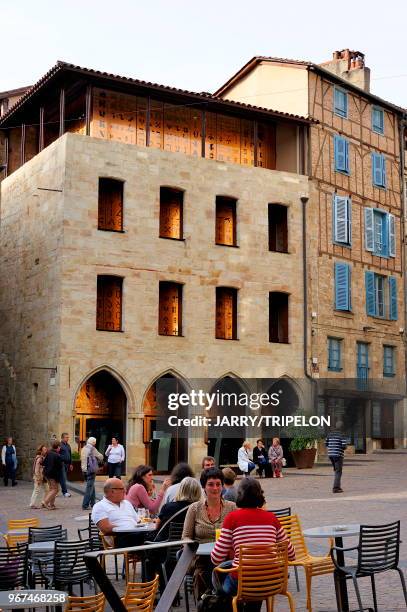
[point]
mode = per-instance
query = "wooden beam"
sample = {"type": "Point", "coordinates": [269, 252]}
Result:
{"type": "Point", "coordinates": [88, 111]}
{"type": "Point", "coordinates": [6, 156]}
{"type": "Point", "coordinates": [148, 115]}
{"type": "Point", "coordinates": [41, 134]}
{"type": "Point", "coordinates": [61, 111]}
{"type": "Point", "coordinates": [22, 145]}
{"type": "Point", "coordinates": [203, 133]}
{"type": "Point", "coordinates": [255, 142]}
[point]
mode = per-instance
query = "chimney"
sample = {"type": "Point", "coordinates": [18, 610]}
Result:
{"type": "Point", "coordinates": [350, 66]}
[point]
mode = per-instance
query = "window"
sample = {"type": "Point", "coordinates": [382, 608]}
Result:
{"type": "Point", "coordinates": [378, 170]}
{"type": "Point", "coordinates": [362, 366]}
{"type": "Point", "coordinates": [334, 354]}
{"type": "Point", "coordinates": [225, 221]}
{"type": "Point", "coordinates": [171, 213]}
{"type": "Point", "coordinates": [278, 233]}
{"type": "Point", "coordinates": [342, 219]}
{"type": "Point", "coordinates": [341, 147]}
{"type": "Point", "coordinates": [377, 120]}
{"type": "Point", "coordinates": [380, 235]}
{"type": "Point", "coordinates": [343, 287]}
{"type": "Point", "coordinates": [170, 309]}
{"type": "Point", "coordinates": [110, 205]}
{"type": "Point", "coordinates": [340, 102]}
{"type": "Point", "coordinates": [388, 361]}
{"type": "Point", "coordinates": [109, 303]}
{"type": "Point", "coordinates": [278, 317]}
{"type": "Point", "coordinates": [381, 296]}
{"type": "Point", "coordinates": [226, 313]}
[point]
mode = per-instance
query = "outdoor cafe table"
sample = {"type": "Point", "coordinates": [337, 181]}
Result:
{"type": "Point", "coordinates": [205, 549]}
{"type": "Point", "coordinates": [338, 532]}
{"type": "Point", "coordinates": [40, 547]}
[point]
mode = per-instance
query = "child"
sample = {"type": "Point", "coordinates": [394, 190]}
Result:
{"type": "Point", "coordinates": [276, 458]}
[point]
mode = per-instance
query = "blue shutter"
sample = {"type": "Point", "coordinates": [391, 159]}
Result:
{"type": "Point", "coordinates": [392, 235]}
{"type": "Point", "coordinates": [341, 147]}
{"type": "Point", "coordinates": [369, 235]}
{"type": "Point", "coordinates": [378, 170]}
{"type": "Point", "coordinates": [383, 170]}
{"type": "Point", "coordinates": [370, 294]}
{"type": "Point", "coordinates": [392, 298]}
{"type": "Point", "coordinates": [341, 219]}
{"type": "Point", "coordinates": [342, 287]}
{"type": "Point", "coordinates": [377, 120]}
{"type": "Point", "coordinates": [385, 235]}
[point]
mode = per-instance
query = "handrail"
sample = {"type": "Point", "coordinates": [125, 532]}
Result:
{"type": "Point", "coordinates": [173, 585]}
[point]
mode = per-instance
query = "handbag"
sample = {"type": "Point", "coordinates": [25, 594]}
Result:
{"type": "Point", "coordinates": [214, 603]}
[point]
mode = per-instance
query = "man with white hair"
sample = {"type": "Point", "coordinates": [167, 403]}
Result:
{"type": "Point", "coordinates": [90, 458]}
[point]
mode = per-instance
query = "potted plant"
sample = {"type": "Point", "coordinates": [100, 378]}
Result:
{"type": "Point", "coordinates": [303, 445]}
{"type": "Point", "coordinates": [76, 474]}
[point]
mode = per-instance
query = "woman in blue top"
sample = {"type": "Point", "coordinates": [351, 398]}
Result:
{"type": "Point", "coordinates": [9, 461]}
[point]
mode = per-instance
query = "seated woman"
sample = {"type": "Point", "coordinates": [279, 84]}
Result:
{"type": "Point", "coordinates": [179, 472]}
{"type": "Point", "coordinates": [260, 458]}
{"type": "Point", "coordinates": [250, 524]}
{"type": "Point", "coordinates": [140, 488]}
{"type": "Point", "coordinates": [276, 457]}
{"type": "Point", "coordinates": [244, 461]}
{"type": "Point", "coordinates": [202, 519]}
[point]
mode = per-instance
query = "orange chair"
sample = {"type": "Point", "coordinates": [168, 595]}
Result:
{"type": "Point", "coordinates": [262, 574]}
{"type": "Point", "coordinates": [140, 596]}
{"type": "Point", "coordinates": [13, 540]}
{"type": "Point", "coordinates": [23, 523]}
{"type": "Point", "coordinates": [89, 603]}
{"type": "Point", "coordinates": [313, 565]}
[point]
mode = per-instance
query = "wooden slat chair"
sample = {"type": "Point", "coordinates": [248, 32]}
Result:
{"type": "Point", "coordinates": [13, 540]}
{"type": "Point", "coordinates": [140, 596]}
{"type": "Point", "coordinates": [262, 574]}
{"type": "Point", "coordinates": [23, 523]}
{"type": "Point", "coordinates": [313, 565]}
{"type": "Point", "coordinates": [89, 603]}
{"type": "Point", "coordinates": [130, 560]}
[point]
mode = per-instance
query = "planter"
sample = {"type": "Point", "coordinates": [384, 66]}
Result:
{"type": "Point", "coordinates": [76, 474]}
{"type": "Point", "coordinates": [304, 459]}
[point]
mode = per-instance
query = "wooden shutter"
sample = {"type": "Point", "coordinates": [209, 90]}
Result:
{"type": "Point", "coordinates": [378, 170]}
{"type": "Point", "coordinates": [170, 213]}
{"type": "Point", "coordinates": [225, 221]}
{"type": "Point", "coordinates": [110, 209]}
{"type": "Point", "coordinates": [370, 294]}
{"type": "Point", "coordinates": [226, 302]}
{"type": "Point", "coordinates": [170, 303]}
{"type": "Point", "coordinates": [109, 303]}
{"type": "Point", "coordinates": [266, 146]}
{"type": "Point", "coordinates": [392, 298]}
{"type": "Point", "coordinates": [392, 235]}
{"type": "Point", "coordinates": [341, 154]}
{"type": "Point", "coordinates": [341, 219]}
{"type": "Point", "coordinates": [369, 232]}
{"type": "Point", "coordinates": [342, 286]}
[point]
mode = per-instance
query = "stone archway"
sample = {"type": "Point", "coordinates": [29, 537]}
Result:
{"type": "Point", "coordinates": [289, 404]}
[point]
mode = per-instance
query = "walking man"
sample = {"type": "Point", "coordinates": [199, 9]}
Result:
{"type": "Point", "coordinates": [52, 472]}
{"type": "Point", "coordinates": [66, 455]}
{"type": "Point", "coordinates": [336, 444]}
{"type": "Point", "coordinates": [90, 457]}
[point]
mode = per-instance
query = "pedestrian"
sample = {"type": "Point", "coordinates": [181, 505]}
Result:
{"type": "Point", "coordinates": [336, 444]}
{"type": "Point", "coordinates": [52, 472]}
{"type": "Point", "coordinates": [115, 456]}
{"type": "Point", "coordinates": [40, 484]}
{"type": "Point", "coordinates": [276, 456]}
{"type": "Point", "coordinates": [260, 458]}
{"type": "Point", "coordinates": [66, 455]}
{"type": "Point", "coordinates": [229, 490]}
{"type": "Point", "coordinates": [9, 461]}
{"type": "Point", "coordinates": [90, 458]}
{"type": "Point", "coordinates": [208, 462]}
{"type": "Point", "coordinates": [244, 461]}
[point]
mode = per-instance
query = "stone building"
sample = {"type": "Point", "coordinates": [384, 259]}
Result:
{"type": "Point", "coordinates": [356, 273]}
{"type": "Point", "coordinates": [147, 233]}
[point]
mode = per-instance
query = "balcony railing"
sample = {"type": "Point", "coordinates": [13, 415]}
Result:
{"type": "Point", "coordinates": [362, 378]}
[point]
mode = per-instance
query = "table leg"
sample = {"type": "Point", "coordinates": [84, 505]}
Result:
{"type": "Point", "coordinates": [341, 589]}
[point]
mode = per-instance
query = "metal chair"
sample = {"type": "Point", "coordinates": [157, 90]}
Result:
{"type": "Point", "coordinates": [89, 603]}
{"type": "Point", "coordinates": [141, 595]}
{"type": "Point", "coordinates": [13, 567]}
{"type": "Point", "coordinates": [69, 566]}
{"type": "Point", "coordinates": [91, 533]}
{"type": "Point", "coordinates": [23, 523]}
{"type": "Point", "coordinates": [46, 534]}
{"type": "Point", "coordinates": [313, 565]}
{"type": "Point", "coordinates": [262, 574]}
{"type": "Point", "coordinates": [43, 534]}
{"type": "Point", "coordinates": [378, 551]}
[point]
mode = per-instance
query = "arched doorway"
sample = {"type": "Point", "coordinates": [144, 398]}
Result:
{"type": "Point", "coordinates": [164, 447]}
{"type": "Point", "coordinates": [289, 404]}
{"type": "Point", "coordinates": [100, 410]}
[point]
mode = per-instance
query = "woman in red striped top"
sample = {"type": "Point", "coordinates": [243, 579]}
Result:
{"type": "Point", "coordinates": [250, 524]}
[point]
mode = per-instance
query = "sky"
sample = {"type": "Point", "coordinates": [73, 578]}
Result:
{"type": "Point", "coordinates": [199, 45]}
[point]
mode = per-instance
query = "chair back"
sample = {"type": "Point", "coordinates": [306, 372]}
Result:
{"type": "Point", "coordinates": [13, 567]}
{"type": "Point", "coordinates": [46, 534]}
{"type": "Point", "coordinates": [89, 603]}
{"type": "Point", "coordinates": [94, 537]}
{"type": "Point", "coordinates": [174, 534]}
{"type": "Point", "coordinates": [162, 534]}
{"type": "Point", "coordinates": [13, 540]}
{"type": "Point", "coordinates": [281, 512]}
{"type": "Point", "coordinates": [292, 526]}
{"type": "Point", "coordinates": [69, 564]}
{"type": "Point", "coordinates": [263, 571]}
{"type": "Point", "coordinates": [141, 595]}
{"type": "Point", "coordinates": [23, 523]}
{"type": "Point", "coordinates": [379, 547]}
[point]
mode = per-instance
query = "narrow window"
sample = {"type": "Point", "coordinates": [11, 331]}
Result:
{"type": "Point", "coordinates": [225, 221]}
{"type": "Point", "coordinates": [110, 208]}
{"type": "Point", "coordinates": [341, 152]}
{"type": "Point", "coordinates": [226, 313]}
{"type": "Point", "coordinates": [388, 361]}
{"type": "Point", "coordinates": [170, 309]}
{"type": "Point", "coordinates": [342, 219]}
{"type": "Point", "coordinates": [278, 317]}
{"type": "Point", "coordinates": [362, 365]}
{"type": "Point", "coordinates": [171, 213]}
{"type": "Point", "coordinates": [278, 232]}
{"type": "Point", "coordinates": [109, 303]}
{"type": "Point", "coordinates": [377, 120]}
{"type": "Point", "coordinates": [340, 102]}
{"type": "Point", "coordinates": [334, 354]}
{"type": "Point", "coordinates": [378, 170]}
{"type": "Point", "coordinates": [343, 287]}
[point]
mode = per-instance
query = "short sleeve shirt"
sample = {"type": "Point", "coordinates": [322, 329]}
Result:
{"type": "Point", "coordinates": [122, 516]}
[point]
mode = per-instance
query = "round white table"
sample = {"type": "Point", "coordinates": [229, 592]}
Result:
{"type": "Point", "coordinates": [205, 549]}
{"type": "Point", "coordinates": [338, 532]}
{"type": "Point", "coordinates": [140, 528]}
{"type": "Point", "coordinates": [42, 546]}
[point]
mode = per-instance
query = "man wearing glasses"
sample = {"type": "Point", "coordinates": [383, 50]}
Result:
{"type": "Point", "coordinates": [113, 511]}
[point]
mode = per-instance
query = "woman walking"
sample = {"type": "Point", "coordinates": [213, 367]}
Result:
{"type": "Point", "coordinates": [115, 456]}
{"type": "Point", "coordinates": [9, 461]}
{"type": "Point", "coordinates": [40, 484]}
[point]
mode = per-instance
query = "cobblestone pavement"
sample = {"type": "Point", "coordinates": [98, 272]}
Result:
{"type": "Point", "coordinates": [375, 492]}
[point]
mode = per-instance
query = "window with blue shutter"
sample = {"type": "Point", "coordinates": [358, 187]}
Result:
{"type": "Point", "coordinates": [377, 120]}
{"type": "Point", "coordinates": [334, 354]}
{"type": "Point", "coordinates": [370, 294]}
{"type": "Point", "coordinates": [378, 170]}
{"type": "Point", "coordinates": [342, 286]}
{"type": "Point", "coordinates": [362, 367]}
{"type": "Point", "coordinates": [392, 281]}
{"type": "Point", "coordinates": [380, 235]}
{"type": "Point", "coordinates": [388, 361]}
{"type": "Point", "coordinates": [341, 150]}
{"type": "Point", "coordinates": [340, 102]}
{"type": "Point", "coordinates": [342, 219]}
{"type": "Point", "coordinates": [392, 235]}
{"type": "Point", "coordinates": [381, 296]}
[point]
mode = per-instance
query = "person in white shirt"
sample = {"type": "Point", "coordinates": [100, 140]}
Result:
{"type": "Point", "coordinates": [115, 456]}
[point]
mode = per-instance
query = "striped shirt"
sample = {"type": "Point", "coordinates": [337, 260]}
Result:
{"type": "Point", "coordinates": [248, 526]}
{"type": "Point", "coordinates": [336, 444]}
